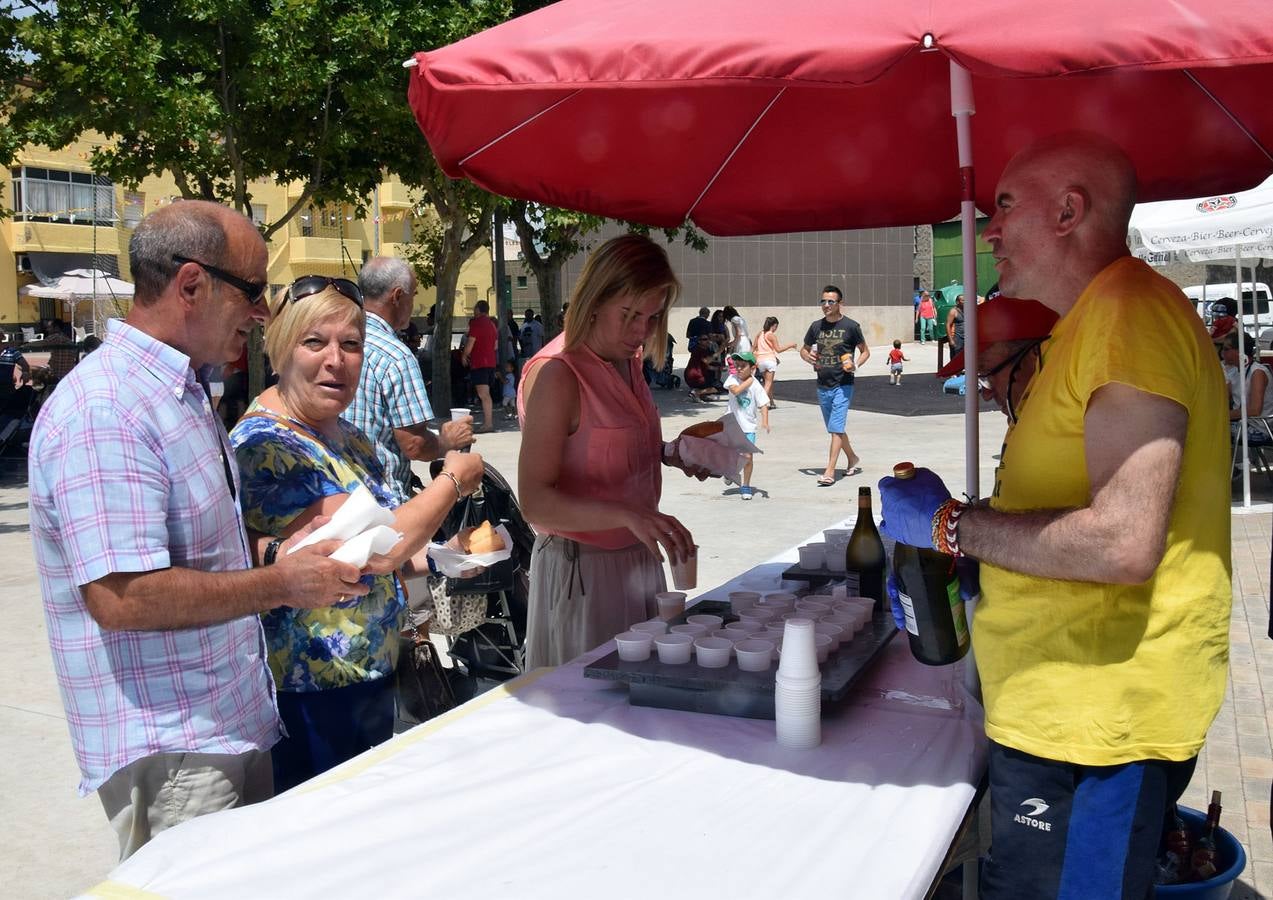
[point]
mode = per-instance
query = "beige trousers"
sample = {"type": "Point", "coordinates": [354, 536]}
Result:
{"type": "Point", "coordinates": [582, 596]}
{"type": "Point", "coordinates": [157, 792]}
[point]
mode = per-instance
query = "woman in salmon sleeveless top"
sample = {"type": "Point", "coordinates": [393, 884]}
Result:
{"type": "Point", "coordinates": [590, 469]}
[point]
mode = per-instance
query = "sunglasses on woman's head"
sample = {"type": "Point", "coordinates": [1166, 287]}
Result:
{"type": "Point", "coordinates": [309, 285]}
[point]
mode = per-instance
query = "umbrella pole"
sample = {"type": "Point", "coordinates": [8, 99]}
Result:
{"type": "Point", "coordinates": [963, 108]}
{"type": "Point", "coordinates": [1242, 435]}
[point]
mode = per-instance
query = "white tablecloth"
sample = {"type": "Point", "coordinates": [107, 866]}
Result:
{"type": "Point", "coordinates": [554, 787]}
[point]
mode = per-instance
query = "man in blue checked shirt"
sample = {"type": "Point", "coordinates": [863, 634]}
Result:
{"type": "Point", "coordinates": [392, 405]}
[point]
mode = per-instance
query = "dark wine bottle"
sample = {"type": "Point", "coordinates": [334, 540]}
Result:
{"type": "Point", "coordinates": [928, 588]}
{"type": "Point", "coordinates": [1205, 858]}
{"type": "Point", "coordinates": [864, 555]}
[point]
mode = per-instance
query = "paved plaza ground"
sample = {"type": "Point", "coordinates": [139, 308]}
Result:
{"type": "Point", "coordinates": [58, 844]}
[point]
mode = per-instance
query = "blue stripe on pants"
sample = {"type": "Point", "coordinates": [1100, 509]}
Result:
{"type": "Point", "coordinates": [1101, 817]}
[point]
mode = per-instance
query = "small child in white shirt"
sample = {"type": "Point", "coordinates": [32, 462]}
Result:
{"type": "Point", "coordinates": [750, 405]}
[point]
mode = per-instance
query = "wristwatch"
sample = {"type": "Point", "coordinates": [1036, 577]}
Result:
{"type": "Point", "coordinates": [271, 551]}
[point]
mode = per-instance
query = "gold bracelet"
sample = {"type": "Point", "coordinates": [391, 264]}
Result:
{"type": "Point", "coordinates": [459, 494]}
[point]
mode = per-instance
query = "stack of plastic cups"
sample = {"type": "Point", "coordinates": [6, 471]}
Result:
{"type": "Point", "coordinates": [798, 688]}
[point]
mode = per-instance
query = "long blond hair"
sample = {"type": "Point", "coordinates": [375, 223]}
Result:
{"type": "Point", "coordinates": [631, 264]}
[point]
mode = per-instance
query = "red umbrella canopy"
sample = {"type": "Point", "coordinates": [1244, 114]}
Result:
{"type": "Point", "coordinates": [757, 117]}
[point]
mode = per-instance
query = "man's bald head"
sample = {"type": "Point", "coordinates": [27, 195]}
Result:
{"type": "Point", "coordinates": [1089, 163]}
{"type": "Point", "coordinates": [194, 229]}
{"type": "Point", "coordinates": [1061, 211]}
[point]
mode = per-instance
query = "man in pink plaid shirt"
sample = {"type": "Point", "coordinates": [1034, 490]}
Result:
{"type": "Point", "coordinates": [145, 566]}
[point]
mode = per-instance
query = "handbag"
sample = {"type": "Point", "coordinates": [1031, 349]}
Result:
{"type": "Point", "coordinates": [424, 690]}
{"type": "Point", "coordinates": [452, 612]}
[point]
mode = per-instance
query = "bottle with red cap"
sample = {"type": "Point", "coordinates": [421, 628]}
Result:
{"type": "Point", "coordinates": [928, 588]}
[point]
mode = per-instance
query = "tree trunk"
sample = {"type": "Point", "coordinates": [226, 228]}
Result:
{"type": "Point", "coordinates": [446, 267]}
{"type": "Point", "coordinates": [548, 279]}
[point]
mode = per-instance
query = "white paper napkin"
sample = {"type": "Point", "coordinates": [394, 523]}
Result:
{"type": "Point", "coordinates": [453, 563]}
{"type": "Point", "coordinates": [722, 453]}
{"type": "Point", "coordinates": [363, 525]}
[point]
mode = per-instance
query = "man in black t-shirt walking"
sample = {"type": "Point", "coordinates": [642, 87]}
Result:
{"type": "Point", "coordinates": [835, 347]}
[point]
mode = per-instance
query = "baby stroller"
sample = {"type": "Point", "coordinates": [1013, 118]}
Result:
{"type": "Point", "coordinates": [663, 378]}
{"type": "Point", "coordinates": [494, 650]}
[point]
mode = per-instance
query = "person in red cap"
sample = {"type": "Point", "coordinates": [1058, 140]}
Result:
{"type": "Point", "coordinates": [1010, 335]}
{"type": "Point", "coordinates": [1102, 633]}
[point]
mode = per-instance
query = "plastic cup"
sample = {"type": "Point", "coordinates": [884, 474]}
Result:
{"type": "Point", "coordinates": [742, 627]}
{"type": "Point", "coordinates": [713, 652]}
{"type": "Point", "coordinates": [694, 630]}
{"type": "Point", "coordinates": [846, 621]}
{"type": "Point", "coordinates": [634, 646]}
{"type": "Point", "coordinates": [757, 614]}
{"type": "Point", "coordinates": [823, 644]}
{"type": "Point", "coordinates": [457, 413]}
{"type": "Point", "coordinates": [813, 607]}
{"type": "Point", "coordinates": [674, 649]}
{"type": "Point", "coordinates": [837, 535]}
{"type": "Point", "coordinates": [835, 632]}
{"type": "Point", "coordinates": [754, 655]}
{"type": "Point", "coordinates": [799, 658]}
{"type": "Point", "coordinates": [671, 604]}
{"type": "Point", "coordinates": [777, 598]}
{"type": "Point", "coordinates": [707, 619]}
{"type": "Point", "coordinates": [836, 560]}
{"type": "Point", "coordinates": [685, 572]}
{"type": "Point", "coordinates": [740, 600]}
{"type": "Point", "coordinates": [654, 627]}
{"type": "Point", "coordinates": [812, 556]}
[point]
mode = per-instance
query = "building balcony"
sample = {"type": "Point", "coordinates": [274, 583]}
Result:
{"type": "Point", "coordinates": [396, 195]}
{"type": "Point", "coordinates": [323, 250]}
{"type": "Point", "coordinates": [59, 237]}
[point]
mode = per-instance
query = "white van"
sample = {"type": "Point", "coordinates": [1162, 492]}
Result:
{"type": "Point", "coordinates": [1259, 323]}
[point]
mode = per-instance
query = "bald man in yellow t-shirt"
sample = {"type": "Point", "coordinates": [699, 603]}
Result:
{"type": "Point", "coordinates": [1102, 633]}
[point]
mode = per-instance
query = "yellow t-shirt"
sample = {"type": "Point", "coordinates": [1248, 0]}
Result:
{"type": "Point", "coordinates": [1099, 674]}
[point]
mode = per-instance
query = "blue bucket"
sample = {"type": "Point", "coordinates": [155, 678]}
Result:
{"type": "Point", "coordinates": [1230, 859]}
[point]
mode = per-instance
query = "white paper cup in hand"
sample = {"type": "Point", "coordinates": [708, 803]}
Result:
{"type": "Point", "coordinates": [685, 572]}
{"type": "Point", "coordinates": [457, 413]}
{"type": "Point", "coordinates": [671, 603]}
{"type": "Point", "coordinates": [634, 646]}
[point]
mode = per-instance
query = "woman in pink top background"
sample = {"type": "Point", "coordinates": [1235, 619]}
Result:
{"type": "Point", "coordinates": [590, 469]}
{"type": "Point", "coordinates": [767, 349]}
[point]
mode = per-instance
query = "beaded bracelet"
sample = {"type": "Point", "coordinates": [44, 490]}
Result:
{"type": "Point", "coordinates": [946, 527]}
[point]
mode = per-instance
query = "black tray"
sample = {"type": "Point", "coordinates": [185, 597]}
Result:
{"type": "Point", "coordinates": [819, 577]}
{"type": "Point", "coordinates": [729, 691]}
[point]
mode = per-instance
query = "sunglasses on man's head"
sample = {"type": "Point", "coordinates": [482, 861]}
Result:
{"type": "Point", "coordinates": [252, 290]}
{"type": "Point", "coordinates": [309, 285]}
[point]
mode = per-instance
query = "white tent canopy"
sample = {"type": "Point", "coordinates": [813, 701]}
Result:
{"type": "Point", "coordinates": [1209, 228]}
{"type": "Point", "coordinates": [84, 285]}
{"type": "Point", "coordinates": [1237, 226]}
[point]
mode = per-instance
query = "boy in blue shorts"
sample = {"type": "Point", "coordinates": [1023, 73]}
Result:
{"type": "Point", "coordinates": [750, 405]}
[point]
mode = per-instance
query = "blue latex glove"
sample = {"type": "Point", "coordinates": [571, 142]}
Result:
{"type": "Point", "coordinates": [969, 572]}
{"type": "Point", "coordinates": [907, 507]}
{"type": "Point", "coordinates": [895, 602]}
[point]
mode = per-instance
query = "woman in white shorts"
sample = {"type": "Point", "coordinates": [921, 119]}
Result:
{"type": "Point", "coordinates": [767, 350]}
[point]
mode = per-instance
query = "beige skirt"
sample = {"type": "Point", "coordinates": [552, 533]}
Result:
{"type": "Point", "coordinates": [582, 596]}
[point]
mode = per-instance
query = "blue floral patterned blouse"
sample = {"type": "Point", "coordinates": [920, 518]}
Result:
{"type": "Point", "coordinates": [285, 468]}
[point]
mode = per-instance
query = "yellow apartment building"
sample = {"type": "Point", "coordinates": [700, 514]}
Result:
{"type": "Point", "coordinates": [65, 217]}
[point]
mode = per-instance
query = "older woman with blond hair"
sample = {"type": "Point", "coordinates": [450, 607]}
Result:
{"type": "Point", "coordinates": [589, 473]}
{"type": "Point", "coordinates": [299, 460]}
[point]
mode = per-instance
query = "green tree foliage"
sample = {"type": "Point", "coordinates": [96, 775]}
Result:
{"type": "Point", "coordinates": [224, 92]}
